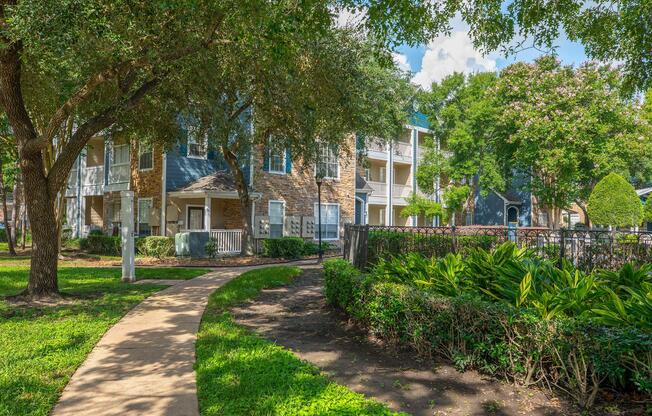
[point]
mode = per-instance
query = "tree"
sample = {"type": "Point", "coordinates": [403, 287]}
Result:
{"type": "Point", "coordinates": [647, 209]}
{"type": "Point", "coordinates": [321, 89]}
{"type": "Point", "coordinates": [463, 117]}
{"type": "Point", "coordinates": [567, 127]}
{"type": "Point", "coordinates": [90, 65]}
{"type": "Point", "coordinates": [420, 205]}
{"type": "Point", "coordinates": [614, 202]}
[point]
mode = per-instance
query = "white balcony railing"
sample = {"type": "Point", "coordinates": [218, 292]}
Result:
{"type": "Point", "coordinates": [379, 188]}
{"type": "Point", "coordinates": [93, 175]}
{"type": "Point", "coordinates": [119, 173]}
{"type": "Point", "coordinates": [402, 191]}
{"type": "Point", "coordinates": [73, 179]}
{"type": "Point", "coordinates": [228, 241]}
{"type": "Point", "coordinates": [403, 149]}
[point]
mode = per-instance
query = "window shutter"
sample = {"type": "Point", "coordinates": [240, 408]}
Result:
{"type": "Point", "coordinates": [288, 161]}
{"type": "Point", "coordinates": [266, 159]}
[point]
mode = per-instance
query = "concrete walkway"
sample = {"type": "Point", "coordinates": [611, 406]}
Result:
{"type": "Point", "coordinates": [143, 365]}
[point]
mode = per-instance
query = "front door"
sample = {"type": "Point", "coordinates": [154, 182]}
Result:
{"type": "Point", "coordinates": [195, 218]}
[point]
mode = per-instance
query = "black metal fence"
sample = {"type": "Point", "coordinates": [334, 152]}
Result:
{"type": "Point", "coordinates": [586, 249]}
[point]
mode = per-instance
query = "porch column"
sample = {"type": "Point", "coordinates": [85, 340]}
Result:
{"type": "Point", "coordinates": [207, 213]}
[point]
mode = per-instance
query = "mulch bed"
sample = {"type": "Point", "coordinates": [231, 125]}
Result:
{"type": "Point", "coordinates": [298, 318]}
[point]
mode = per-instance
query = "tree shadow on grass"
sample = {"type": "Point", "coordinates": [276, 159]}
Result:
{"type": "Point", "coordinates": [239, 373]}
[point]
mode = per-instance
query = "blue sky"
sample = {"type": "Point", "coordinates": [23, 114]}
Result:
{"type": "Point", "coordinates": [445, 55]}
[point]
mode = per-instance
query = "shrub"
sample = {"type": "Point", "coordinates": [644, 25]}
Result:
{"type": "Point", "coordinates": [490, 323]}
{"type": "Point", "coordinates": [284, 247]}
{"type": "Point", "coordinates": [614, 202]}
{"type": "Point", "coordinates": [647, 209]}
{"type": "Point", "coordinates": [101, 244]}
{"type": "Point", "coordinates": [210, 248]}
{"type": "Point", "coordinates": [155, 246]}
{"type": "Point", "coordinates": [3, 235]}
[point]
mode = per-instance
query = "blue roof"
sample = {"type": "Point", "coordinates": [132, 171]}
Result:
{"type": "Point", "coordinates": [419, 119]}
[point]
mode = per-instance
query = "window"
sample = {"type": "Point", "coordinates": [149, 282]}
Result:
{"type": "Point", "coordinates": [144, 214]}
{"type": "Point", "coordinates": [197, 147]}
{"type": "Point", "coordinates": [543, 219]}
{"type": "Point", "coordinates": [328, 162]}
{"type": "Point", "coordinates": [145, 157]}
{"type": "Point", "coordinates": [276, 218]}
{"type": "Point", "coordinates": [195, 217]}
{"type": "Point", "coordinates": [276, 160]}
{"type": "Point", "coordinates": [367, 174]}
{"type": "Point", "coordinates": [330, 221]}
{"type": "Point", "coordinates": [382, 174]}
{"type": "Point", "coordinates": [381, 216]}
{"type": "Point", "coordinates": [119, 171]}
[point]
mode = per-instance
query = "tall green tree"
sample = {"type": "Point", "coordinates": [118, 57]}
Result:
{"type": "Point", "coordinates": [317, 92]}
{"type": "Point", "coordinates": [112, 65]}
{"type": "Point", "coordinates": [567, 128]}
{"type": "Point", "coordinates": [463, 117]}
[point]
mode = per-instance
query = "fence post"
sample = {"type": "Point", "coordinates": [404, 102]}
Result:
{"type": "Point", "coordinates": [363, 247]}
{"type": "Point", "coordinates": [562, 245]}
{"type": "Point", "coordinates": [454, 239]}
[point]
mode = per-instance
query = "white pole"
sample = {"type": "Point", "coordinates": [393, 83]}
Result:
{"type": "Point", "coordinates": [127, 233]}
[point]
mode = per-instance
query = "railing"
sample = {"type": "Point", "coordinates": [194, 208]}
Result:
{"type": "Point", "coordinates": [403, 149]}
{"type": "Point", "coordinates": [586, 249]}
{"type": "Point", "coordinates": [93, 175]}
{"type": "Point", "coordinates": [119, 173]}
{"type": "Point", "coordinates": [73, 179]}
{"type": "Point", "coordinates": [379, 188]}
{"type": "Point", "coordinates": [228, 241]}
{"type": "Point", "coordinates": [402, 191]}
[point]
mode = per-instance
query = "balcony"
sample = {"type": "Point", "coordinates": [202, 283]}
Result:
{"type": "Point", "coordinates": [403, 152]}
{"type": "Point", "coordinates": [401, 191]}
{"type": "Point", "coordinates": [377, 151]}
{"type": "Point", "coordinates": [379, 188]}
{"type": "Point", "coordinates": [119, 176]}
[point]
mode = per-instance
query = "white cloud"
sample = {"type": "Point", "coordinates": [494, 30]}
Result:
{"type": "Point", "coordinates": [401, 62]}
{"type": "Point", "coordinates": [350, 18]}
{"type": "Point", "coordinates": [447, 54]}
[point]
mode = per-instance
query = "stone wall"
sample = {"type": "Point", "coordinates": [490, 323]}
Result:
{"type": "Point", "coordinates": [299, 191]}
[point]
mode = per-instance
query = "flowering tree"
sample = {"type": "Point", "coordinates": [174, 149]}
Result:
{"type": "Point", "coordinates": [568, 128]}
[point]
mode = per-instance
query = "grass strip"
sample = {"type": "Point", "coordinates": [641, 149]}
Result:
{"type": "Point", "coordinates": [240, 373]}
{"type": "Point", "coordinates": [41, 347]}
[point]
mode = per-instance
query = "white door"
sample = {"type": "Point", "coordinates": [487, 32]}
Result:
{"type": "Point", "coordinates": [195, 218]}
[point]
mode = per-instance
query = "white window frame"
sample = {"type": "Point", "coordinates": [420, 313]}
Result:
{"type": "Point", "coordinates": [283, 160]}
{"type": "Point", "coordinates": [193, 138]}
{"type": "Point", "coordinates": [269, 211]}
{"type": "Point", "coordinates": [337, 155]}
{"type": "Point", "coordinates": [339, 218]}
{"type": "Point", "coordinates": [187, 219]}
{"type": "Point", "coordinates": [143, 149]}
{"type": "Point", "coordinates": [151, 205]}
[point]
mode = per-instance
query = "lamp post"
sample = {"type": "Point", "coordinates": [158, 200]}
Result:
{"type": "Point", "coordinates": [318, 180]}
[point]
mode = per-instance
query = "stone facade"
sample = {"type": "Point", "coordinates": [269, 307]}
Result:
{"type": "Point", "coordinates": [299, 191]}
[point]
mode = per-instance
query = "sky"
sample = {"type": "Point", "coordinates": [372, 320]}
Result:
{"type": "Point", "coordinates": [455, 53]}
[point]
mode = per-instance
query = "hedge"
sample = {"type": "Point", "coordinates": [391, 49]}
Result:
{"type": "Point", "coordinates": [291, 247]}
{"type": "Point", "coordinates": [614, 202]}
{"type": "Point", "coordinates": [153, 246]}
{"type": "Point", "coordinates": [493, 338]}
{"type": "Point", "coordinates": [383, 244]}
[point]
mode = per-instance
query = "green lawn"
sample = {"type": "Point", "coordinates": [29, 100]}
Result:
{"type": "Point", "coordinates": [240, 373]}
{"type": "Point", "coordinates": [40, 348]}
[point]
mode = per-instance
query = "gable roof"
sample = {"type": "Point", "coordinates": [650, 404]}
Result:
{"type": "Point", "coordinates": [221, 181]}
{"type": "Point", "coordinates": [361, 184]}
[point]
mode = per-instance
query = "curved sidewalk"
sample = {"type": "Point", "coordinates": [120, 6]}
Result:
{"type": "Point", "coordinates": [143, 365]}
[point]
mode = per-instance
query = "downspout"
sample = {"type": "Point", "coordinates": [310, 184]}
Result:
{"type": "Point", "coordinates": [79, 196]}
{"type": "Point", "coordinates": [414, 135]}
{"type": "Point", "coordinates": [390, 185]}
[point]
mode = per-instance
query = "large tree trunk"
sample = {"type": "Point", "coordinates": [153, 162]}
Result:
{"type": "Point", "coordinates": [245, 201]}
{"type": "Point", "coordinates": [587, 220]}
{"type": "Point", "coordinates": [5, 214]}
{"type": "Point", "coordinates": [40, 209]}
{"type": "Point", "coordinates": [14, 211]}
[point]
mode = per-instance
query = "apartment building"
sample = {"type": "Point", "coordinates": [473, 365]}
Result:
{"type": "Point", "coordinates": [190, 188]}
{"type": "Point", "coordinates": [387, 177]}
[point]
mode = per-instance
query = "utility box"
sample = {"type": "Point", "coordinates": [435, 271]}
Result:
{"type": "Point", "coordinates": [191, 243]}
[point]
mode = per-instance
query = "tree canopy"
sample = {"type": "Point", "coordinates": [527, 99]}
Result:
{"type": "Point", "coordinates": [561, 127]}
{"type": "Point", "coordinates": [614, 202]}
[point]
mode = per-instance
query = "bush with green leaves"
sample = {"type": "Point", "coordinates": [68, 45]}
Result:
{"type": "Point", "coordinates": [155, 246]}
{"type": "Point", "coordinates": [647, 209]}
{"type": "Point", "coordinates": [510, 314]}
{"type": "Point", "coordinates": [284, 247]}
{"type": "Point", "coordinates": [210, 248]}
{"type": "Point", "coordinates": [614, 202]}
{"type": "Point", "coordinates": [101, 244]}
